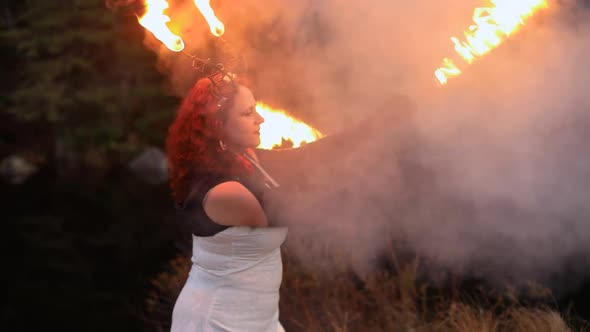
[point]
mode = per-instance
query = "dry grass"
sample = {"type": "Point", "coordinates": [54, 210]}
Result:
{"type": "Point", "coordinates": [381, 301]}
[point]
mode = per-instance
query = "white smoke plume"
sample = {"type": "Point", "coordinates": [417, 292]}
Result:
{"type": "Point", "coordinates": [499, 175]}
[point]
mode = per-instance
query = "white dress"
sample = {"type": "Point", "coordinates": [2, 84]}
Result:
{"type": "Point", "coordinates": [233, 284]}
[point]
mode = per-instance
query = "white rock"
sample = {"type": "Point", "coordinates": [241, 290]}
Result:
{"type": "Point", "coordinates": [151, 166]}
{"type": "Point", "coordinates": [16, 169]}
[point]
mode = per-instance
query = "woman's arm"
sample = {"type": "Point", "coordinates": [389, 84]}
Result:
{"type": "Point", "coordinates": [321, 173]}
{"type": "Point", "coordinates": [231, 204]}
{"type": "Point", "coordinates": [341, 154]}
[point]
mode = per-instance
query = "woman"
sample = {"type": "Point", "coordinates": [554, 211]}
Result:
{"type": "Point", "coordinates": [233, 284]}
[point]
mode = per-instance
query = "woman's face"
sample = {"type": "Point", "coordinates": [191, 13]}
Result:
{"type": "Point", "coordinates": [242, 125]}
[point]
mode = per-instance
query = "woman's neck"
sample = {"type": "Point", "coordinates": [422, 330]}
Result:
{"type": "Point", "coordinates": [243, 151]}
{"type": "Point", "coordinates": [269, 181]}
{"type": "Point", "coordinates": [235, 149]}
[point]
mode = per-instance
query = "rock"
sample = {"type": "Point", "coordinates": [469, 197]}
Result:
{"type": "Point", "coordinates": [16, 169]}
{"type": "Point", "coordinates": [151, 166]}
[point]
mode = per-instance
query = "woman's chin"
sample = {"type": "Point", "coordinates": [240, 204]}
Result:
{"type": "Point", "coordinates": [248, 143]}
{"type": "Point", "coordinates": [252, 145]}
{"type": "Point", "coordinates": [255, 143]}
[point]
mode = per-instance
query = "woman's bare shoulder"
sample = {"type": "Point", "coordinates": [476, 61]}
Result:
{"type": "Point", "coordinates": [230, 203]}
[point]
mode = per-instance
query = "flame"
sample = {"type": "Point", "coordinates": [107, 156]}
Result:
{"type": "Point", "coordinates": [449, 69]}
{"type": "Point", "coordinates": [215, 25]}
{"type": "Point", "coordinates": [492, 25]}
{"type": "Point", "coordinates": [155, 21]}
{"type": "Point", "coordinates": [278, 127]}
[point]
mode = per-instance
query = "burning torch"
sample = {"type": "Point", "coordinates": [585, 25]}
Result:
{"type": "Point", "coordinates": [279, 127]}
{"type": "Point", "coordinates": [492, 25]}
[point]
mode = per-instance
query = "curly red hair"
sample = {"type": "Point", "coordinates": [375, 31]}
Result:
{"type": "Point", "coordinates": [192, 144]}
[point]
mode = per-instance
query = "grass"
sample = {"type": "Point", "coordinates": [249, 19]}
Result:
{"type": "Point", "coordinates": [384, 300]}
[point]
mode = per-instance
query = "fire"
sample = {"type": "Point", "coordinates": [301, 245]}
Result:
{"type": "Point", "coordinates": [215, 25]}
{"type": "Point", "coordinates": [155, 21]}
{"type": "Point", "coordinates": [278, 127]}
{"type": "Point", "coordinates": [493, 24]}
{"type": "Point", "coordinates": [449, 69]}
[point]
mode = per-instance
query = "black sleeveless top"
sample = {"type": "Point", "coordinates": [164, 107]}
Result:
{"type": "Point", "coordinates": [191, 212]}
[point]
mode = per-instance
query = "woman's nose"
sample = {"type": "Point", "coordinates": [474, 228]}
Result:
{"type": "Point", "coordinates": [259, 118]}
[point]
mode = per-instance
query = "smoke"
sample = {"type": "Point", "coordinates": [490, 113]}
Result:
{"type": "Point", "coordinates": [506, 142]}
{"type": "Point", "coordinates": [494, 179]}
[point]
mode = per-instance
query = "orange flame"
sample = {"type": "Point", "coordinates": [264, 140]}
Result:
{"type": "Point", "coordinates": [449, 69]}
{"type": "Point", "coordinates": [278, 127]}
{"type": "Point", "coordinates": [215, 25]}
{"type": "Point", "coordinates": [492, 25]}
{"type": "Point", "coordinates": [155, 21]}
